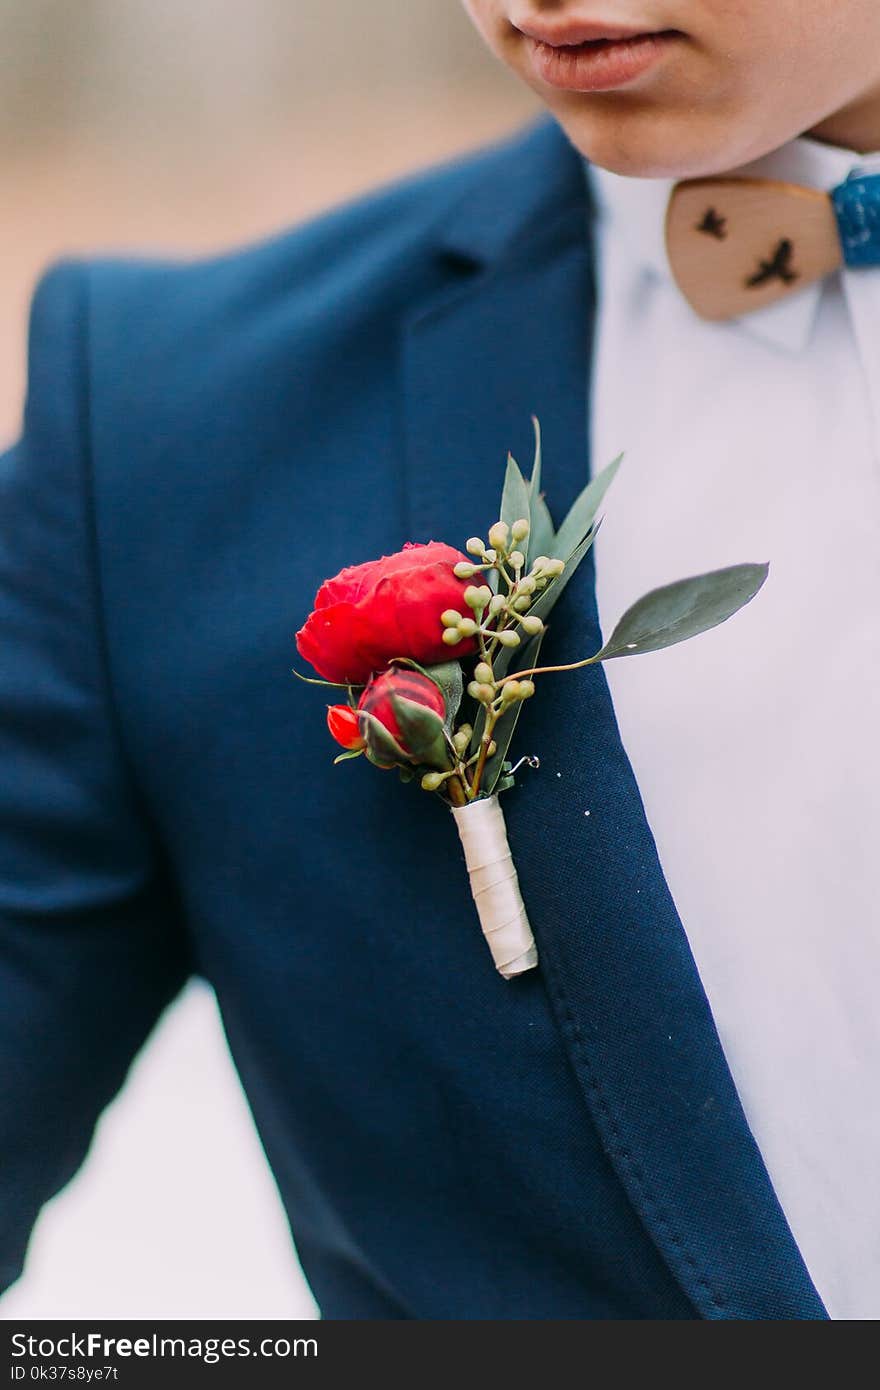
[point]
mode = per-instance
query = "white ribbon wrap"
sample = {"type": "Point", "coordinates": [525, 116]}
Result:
{"type": "Point", "coordinates": [495, 886]}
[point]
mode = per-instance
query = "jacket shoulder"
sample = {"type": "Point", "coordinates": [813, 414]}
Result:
{"type": "Point", "coordinates": [377, 241]}
{"type": "Point", "coordinates": [156, 329]}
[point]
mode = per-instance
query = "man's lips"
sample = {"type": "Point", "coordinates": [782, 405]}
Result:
{"type": "Point", "coordinates": [590, 56]}
{"type": "Point", "coordinates": [569, 33]}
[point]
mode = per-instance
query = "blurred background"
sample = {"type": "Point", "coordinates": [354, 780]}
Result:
{"type": "Point", "coordinates": [185, 126]}
{"type": "Point", "coordinates": [190, 125]}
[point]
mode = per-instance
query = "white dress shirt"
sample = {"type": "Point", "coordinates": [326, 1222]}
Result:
{"type": "Point", "coordinates": [757, 746]}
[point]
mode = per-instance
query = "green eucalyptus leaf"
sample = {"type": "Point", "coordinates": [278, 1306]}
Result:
{"type": "Point", "coordinates": [506, 726]}
{"type": "Point", "coordinates": [478, 723]}
{"type": "Point", "coordinates": [541, 529]}
{"type": "Point", "coordinates": [515, 499]}
{"type": "Point", "coordinates": [411, 665]}
{"type": "Point", "coordinates": [583, 511]}
{"type": "Point", "coordinates": [535, 480]}
{"type": "Point", "coordinates": [681, 610]}
{"type": "Point", "coordinates": [540, 608]}
{"type": "Point", "coordinates": [525, 655]}
{"type": "Point", "coordinates": [549, 597]}
{"type": "Point", "coordinates": [542, 537]}
{"type": "Point", "coordinates": [348, 755]}
{"type": "Point", "coordinates": [448, 676]}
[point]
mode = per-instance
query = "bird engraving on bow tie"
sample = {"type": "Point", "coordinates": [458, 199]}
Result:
{"type": "Point", "coordinates": [778, 268]}
{"type": "Point", "coordinates": [713, 225]}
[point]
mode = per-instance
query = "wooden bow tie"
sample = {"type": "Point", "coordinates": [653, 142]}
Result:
{"type": "Point", "coordinates": [739, 244]}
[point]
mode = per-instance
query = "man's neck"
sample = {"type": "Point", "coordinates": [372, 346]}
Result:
{"type": "Point", "coordinates": [855, 127]}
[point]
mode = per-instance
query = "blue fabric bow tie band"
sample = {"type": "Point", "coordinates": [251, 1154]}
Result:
{"type": "Point", "coordinates": [857, 206]}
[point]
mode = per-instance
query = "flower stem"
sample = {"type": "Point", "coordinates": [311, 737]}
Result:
{"type": "Point", "coordinates": [491, 720]}
{"type": "Point", "coordinates": [457, 794]}
{"type": "Point", "coordinates": [547, 670]}
{"type": "Point", "coordinates": [511, 583]}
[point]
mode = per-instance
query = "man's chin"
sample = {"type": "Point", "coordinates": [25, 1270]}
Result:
{"type": "Point", "coordinates": [648, 145]}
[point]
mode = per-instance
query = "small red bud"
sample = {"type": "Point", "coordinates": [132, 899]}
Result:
{"type": "Point", "coordinates": [342, 721]}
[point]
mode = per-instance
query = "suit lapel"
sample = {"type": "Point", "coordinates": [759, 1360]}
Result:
{"type": "Point", "coordinates": [508, 334]}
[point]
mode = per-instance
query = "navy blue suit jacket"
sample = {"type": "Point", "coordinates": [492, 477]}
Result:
{"type": "Point", "coordinates": [203, 443]}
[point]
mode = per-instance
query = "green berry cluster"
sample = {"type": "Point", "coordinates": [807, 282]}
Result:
{"type": "Point", "coordinates": [499, 617]}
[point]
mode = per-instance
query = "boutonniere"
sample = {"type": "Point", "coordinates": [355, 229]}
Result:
{"type": "Point", "coordinates": [438, 650]}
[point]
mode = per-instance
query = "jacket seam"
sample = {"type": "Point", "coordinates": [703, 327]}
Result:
{"type": "Point", "coordinates": [619, 1150]}
{"type": "Point", "coordinates": [93, 562]}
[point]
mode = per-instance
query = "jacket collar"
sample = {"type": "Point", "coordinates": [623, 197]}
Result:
{"type": "Point", "coordinates": [517, 192]}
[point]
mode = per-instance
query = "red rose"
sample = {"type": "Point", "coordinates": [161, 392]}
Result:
{"type": "Point", "coordinates": [401, 719]}
{"type": "Point", "coordinates": [369, 614]}
{"type": "Point", "coordinates": [342, 721]}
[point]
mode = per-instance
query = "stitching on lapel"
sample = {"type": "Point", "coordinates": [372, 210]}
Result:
{"type": "Point", "coordinates": [621, 1152]}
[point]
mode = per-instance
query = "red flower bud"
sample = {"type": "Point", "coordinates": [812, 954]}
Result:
{"type": "Point", "coordinates": [342, 721]}
{"type": "Point", "coordinates": [369, 614]}
{"type": "Point", "coordinates": [404, 716]}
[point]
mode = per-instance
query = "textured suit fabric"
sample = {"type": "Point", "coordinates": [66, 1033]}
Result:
{"type": "Point", "coordinates": [203, 444]}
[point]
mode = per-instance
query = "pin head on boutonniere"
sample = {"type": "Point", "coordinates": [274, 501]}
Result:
{"type": "Point", "coordinates": [438, 649]}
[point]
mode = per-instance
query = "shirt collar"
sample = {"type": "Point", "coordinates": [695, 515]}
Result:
{"type": "Point", "coordinates": [635, 210]}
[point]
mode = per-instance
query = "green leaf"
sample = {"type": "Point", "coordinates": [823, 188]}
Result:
{"type": "Point", "coordinates": [515, 499]}
{"type": "Point", "coordinates": [554, 591]}
{"type": "Point", "coordinates": [347, 755]}
{"type": "Point", "coordinates": [506, 655]}
{"type": "Point", "coordinates": [335, 685]}
{"type": "Point", "coordinates": [506, 725]}
{"type": "Point", "coordinates": [422, 731]}
{"type": "Point", "coordinates": [382, 748]}
{"type": "Point", "coordinates": [677, 611]}
{"type": "Point", "coordinates": [447, 676]}
{"type": "Point", "coordinates": [410, 665]}
{"type": "Point", "coordinates": [541, 529]}
{"type": "Point", "coordinates": [583, 511]}
{"type": "Point", "coordinates": [535, 480]}
{"type": "Point", "coordinates": [542, 537]}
